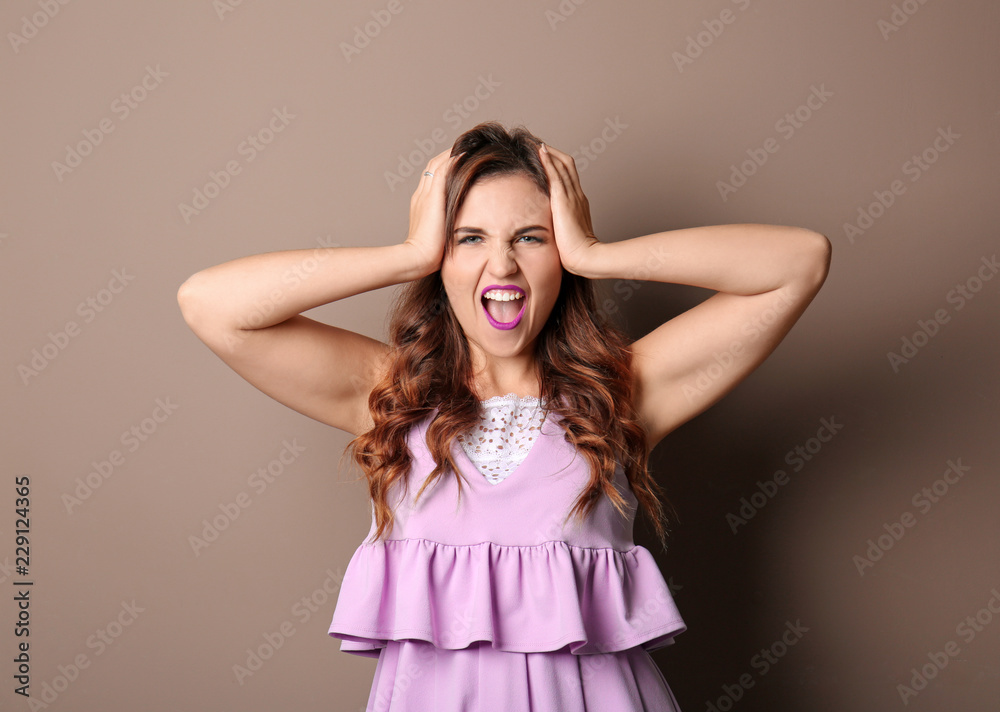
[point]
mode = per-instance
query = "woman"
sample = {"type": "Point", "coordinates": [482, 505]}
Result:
{"type": "Point", "coordinates": [505, 429]}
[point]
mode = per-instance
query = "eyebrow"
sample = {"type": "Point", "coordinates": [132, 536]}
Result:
{"type": "Point", "coordinates": [481, 231]}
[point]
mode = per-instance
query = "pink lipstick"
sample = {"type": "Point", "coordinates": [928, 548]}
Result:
{"type": "Point", "coordinates": [510, 288]}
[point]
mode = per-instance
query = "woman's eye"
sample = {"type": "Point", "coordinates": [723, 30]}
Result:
{"type": "Point", "coordinates": [476, 239]}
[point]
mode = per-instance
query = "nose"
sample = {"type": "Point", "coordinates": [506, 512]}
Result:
{"type": "Point", "coordinates": [501, 261]}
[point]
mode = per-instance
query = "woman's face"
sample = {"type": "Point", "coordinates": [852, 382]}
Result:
{"type": "Point", "coordinates": [503, 274]}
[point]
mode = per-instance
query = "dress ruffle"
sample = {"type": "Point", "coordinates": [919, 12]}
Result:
{"type": "Point", "coordinates": [519, 598]}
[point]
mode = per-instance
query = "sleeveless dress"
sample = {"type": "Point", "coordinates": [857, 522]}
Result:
{"type": "Point", "coordinates": [493, 604]}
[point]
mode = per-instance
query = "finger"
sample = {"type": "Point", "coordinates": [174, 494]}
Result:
{"type": "Point", "coordinates": [449, 163]}
{"type": "Point", "coordinates": [425, 179]}
{"type": "Point", "coordinates": [435, 162]}
{"type": "Point", "coordinates": [442, 164]}
{"type": "Point", "coordinates": [571, 178]}
{"type": "Point", "coordinates": [557, 178]}
{"type": "Point", "coordinates": [432, 169]}
{"type": "Point", "coordinates": [555, 153]}
{"type": "Point", "coordinates": [569, 164]}
{"type": "Point", "coordinates": [566, 186]}
{"type": "Point", "coordinates": [566, 158]}
{"type": "Point", "coordinates": [565, 182]}
{"type": "Point", "coordinates": [439, 181]}
{"type": "Point", "coordinates": [561, 162]}
{"type": "Point", "coordinates": [438, 168]}
{"type": "Point", "coordinates": [439, 160]}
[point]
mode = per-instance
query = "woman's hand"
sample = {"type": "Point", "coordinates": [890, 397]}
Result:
{"type": "Point", "coordinates": [570, 211]}
{"type": "Point", "coordinates": [427, 207]}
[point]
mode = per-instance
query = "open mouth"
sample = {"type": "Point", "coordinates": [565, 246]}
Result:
{"type": "Point", "coordinates": [503, 306]}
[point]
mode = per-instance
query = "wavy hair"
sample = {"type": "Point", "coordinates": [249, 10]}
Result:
{"type": "Point", "coordinates": [583, 363]}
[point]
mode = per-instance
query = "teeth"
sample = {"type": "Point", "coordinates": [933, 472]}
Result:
{"type": "Point", "coordinates": [501, 295]}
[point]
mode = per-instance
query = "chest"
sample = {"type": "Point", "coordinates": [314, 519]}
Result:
{"type": "Point", "coordinates": [508, 429]}
{"type": "Point", "coordinates": [528, 506]}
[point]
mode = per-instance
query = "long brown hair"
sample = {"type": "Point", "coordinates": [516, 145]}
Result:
{"type": "Point", "coordinates": [583, 362]}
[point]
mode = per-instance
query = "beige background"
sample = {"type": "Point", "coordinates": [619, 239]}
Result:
{"type": "Point", "coordinates": [569, 72]}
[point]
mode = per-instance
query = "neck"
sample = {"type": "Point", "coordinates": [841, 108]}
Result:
{"type": "Point", "coordinates": [493, 376]}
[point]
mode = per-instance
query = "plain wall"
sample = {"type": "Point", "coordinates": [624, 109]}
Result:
{"type": "Point", "coordinates": [889, 101]}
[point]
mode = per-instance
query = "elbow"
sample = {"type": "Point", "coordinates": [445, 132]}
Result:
{"type": "Point", "coordinates": [187, 299]}
{"type": "Point", "coordinates": [815, 264]}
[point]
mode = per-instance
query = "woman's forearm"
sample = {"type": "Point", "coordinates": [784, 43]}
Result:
{"type": "Point", "coordinates": [261, 290]}
{"type": "Point", "coordinates": [739, 259]}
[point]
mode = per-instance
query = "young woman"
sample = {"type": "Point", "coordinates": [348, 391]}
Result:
{"type": "Point", "coordinates": [504, 431]}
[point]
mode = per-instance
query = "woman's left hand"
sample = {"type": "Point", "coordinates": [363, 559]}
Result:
{"type": "Point", "coordinates": [574, 233]}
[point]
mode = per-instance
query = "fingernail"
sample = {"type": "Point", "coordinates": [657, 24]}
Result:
{"type": "Point", "coordinates": [544, 149]}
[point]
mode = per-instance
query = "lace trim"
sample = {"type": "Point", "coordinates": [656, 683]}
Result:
{"type": "Point", "coordinates": [511, 399]}
{"type": "Point", "coordinates": [509, 426]}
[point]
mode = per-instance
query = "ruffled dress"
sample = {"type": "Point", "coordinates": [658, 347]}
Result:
{"type": "Point", "coordinates": [493, 604]}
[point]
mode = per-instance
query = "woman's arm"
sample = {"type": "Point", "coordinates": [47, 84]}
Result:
{"type": "Point", "coordinates": [248, 312]}
{"type": "Point", "coordinates": [765, 276]}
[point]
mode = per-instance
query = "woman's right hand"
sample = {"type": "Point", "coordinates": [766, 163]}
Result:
{"type": "Point", "coordinates": [427, 208]}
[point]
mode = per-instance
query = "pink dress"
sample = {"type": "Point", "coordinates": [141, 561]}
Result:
{"type": "Point", "coordinates": [493, 605]}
